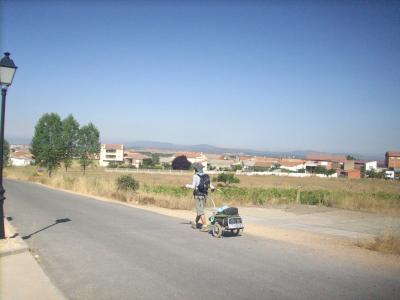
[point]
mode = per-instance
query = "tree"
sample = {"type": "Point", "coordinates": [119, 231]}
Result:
{"type": "Point", "coordinates": [70, 136]}
{"type": "Point", "coordinates": [6, 152]}
{"type": "Point", "coordinates": [181, 163]}
{"type": "Point", "coordinates": [47, 145]}
{"type": "Point", "coordinates": [88, 145]}
{"type": "Point", "coordinates": [320, 170]}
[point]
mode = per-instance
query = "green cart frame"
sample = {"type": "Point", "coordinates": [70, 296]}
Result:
{"type": "Point", "coordinates": [222, 222]}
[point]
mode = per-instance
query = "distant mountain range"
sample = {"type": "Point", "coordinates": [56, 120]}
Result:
{"type": "Point", "coordinates": [142, 145]}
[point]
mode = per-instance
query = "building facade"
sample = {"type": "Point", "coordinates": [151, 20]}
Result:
{"type": "Point", "coordinates": [111, 153]}
{"type": "Point", "coordinates": [393, 159]}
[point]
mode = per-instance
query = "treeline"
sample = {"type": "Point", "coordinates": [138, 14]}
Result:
{"type": "Point", "coordinates": [59, 141]}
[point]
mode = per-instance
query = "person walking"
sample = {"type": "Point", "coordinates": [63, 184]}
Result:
{"type": "Point", "coordinates": [200, 185]}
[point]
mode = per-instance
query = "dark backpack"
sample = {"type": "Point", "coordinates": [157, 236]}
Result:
{"type": "Point", "coordinates": [204, 184]}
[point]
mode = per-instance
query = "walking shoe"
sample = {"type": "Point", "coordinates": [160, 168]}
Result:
{"type": "Point", "coordinates": [194, 225]}
{"type": "Point", "coordinates": [205, 229]}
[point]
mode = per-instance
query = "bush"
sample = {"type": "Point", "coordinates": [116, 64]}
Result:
{"type": "Point", "coordinates": [127, 183]}
{"type": "Point", "coordinates": [313, 197]}
{"type": "Point", "coordinates": [227, 178]}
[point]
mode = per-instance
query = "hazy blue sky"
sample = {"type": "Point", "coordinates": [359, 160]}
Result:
{"type": "Point", "coordinates": [265, 75]}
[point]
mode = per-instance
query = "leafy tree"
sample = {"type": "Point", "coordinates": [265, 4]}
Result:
{"type": "Point", "coordinates": [227, 178]}
{"type": "Point", "coordinates": [320, 170]}
{"type": "Point", "coordinates": [373, 174]}
{"type": "Point", "coordinates": [167, 166]}
{"type": "Point", "coordinates": [237, 167]}
{"type": "Point", "coordinates": [6, 152]}
{"type": "Point", "coordinates": [147, 164]}
{"type": "Point", "coordinates": [47, 144]}
{"type": "Point", "coordinates": [88, 145]}
{"type": "Point", "coordinates": [70, 136]}
{"type": "Point", "coordinates": [181, 163]}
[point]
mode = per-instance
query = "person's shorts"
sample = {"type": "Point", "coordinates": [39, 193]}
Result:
{"type": "Point", "coordinates": [200, 202]}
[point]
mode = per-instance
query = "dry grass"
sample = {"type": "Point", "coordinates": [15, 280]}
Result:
{"type": "Point", "coordinates": [388, 243]}
{"type": "Point", "coordinates": [162, 190]}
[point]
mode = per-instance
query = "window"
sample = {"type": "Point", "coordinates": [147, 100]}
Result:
{"type": "Point", "coordinates": [111, 150]}
{"type": "Point", "coordinates": [111, 156]}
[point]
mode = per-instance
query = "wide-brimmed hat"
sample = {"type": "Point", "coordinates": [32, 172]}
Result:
{"type": "Point", "coordinates": [198, 167]}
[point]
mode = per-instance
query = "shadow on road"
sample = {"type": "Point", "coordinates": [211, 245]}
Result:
{"type": "Point", "coordinates": [51, 225]}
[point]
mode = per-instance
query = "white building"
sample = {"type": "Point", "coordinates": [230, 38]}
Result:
{"type": "Point", "coordinates": [20, 158]}
{"type": "Point", "coordinates": [371, 165]}
{"type": "Point", "coordinates": [195, 157]}
{"type": "Point", "coordinates": [135, 159]}
{"type": "Point", "coordinates": [111, 153]}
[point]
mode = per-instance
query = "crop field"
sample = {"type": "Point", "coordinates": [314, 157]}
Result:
{"type": "Point", "coordinates": [165, 190]}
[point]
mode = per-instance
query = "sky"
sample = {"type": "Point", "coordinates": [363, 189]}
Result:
{"type": "Point", "coordinates": [278, 75]}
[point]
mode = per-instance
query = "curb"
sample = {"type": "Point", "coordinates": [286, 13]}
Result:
{"type": "Point", "coordinates": [22, 270]}
{"type": "Point", "coordinates": [13, 243]}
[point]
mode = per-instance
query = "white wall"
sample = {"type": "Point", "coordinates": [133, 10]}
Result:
{"type": "Point", "coordinates": [371, 165]}
{"type": "Point", "coordinates": [20, 162]}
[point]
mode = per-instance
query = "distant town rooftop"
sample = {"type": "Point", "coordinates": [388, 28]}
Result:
{"type": "Point", "coordinates": [393, 153]}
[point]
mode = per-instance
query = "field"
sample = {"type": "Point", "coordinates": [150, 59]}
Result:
{"type": "Point", "coordinates": [165, 190]}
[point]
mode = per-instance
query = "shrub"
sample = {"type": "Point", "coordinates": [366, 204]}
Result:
{"type": "Point", "coordinates": [227, 178]}
{"type": "Point", "coordinates": [313, 197]}
{"type": "Point", "coordinates": [127, 183]}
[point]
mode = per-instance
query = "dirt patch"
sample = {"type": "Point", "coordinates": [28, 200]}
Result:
{"type": "Point", "coordinates": [388, 243]}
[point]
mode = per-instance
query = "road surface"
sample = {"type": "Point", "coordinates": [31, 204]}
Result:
{"type": "Point", "coordinates": [92, 249]}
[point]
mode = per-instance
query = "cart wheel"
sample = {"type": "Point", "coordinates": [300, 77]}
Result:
{"type": "Point", "coordinates": [217, 230]}
{"type": "Point", "coordinates": [235, 232]}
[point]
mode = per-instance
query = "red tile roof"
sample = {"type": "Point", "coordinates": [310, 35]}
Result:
{"type": "Point", "coordinates": [393, 153]}
{"type": "Point", "coordinates": [135, 155]}
{"type": "Point", "coordinates": [242, 158]}
{"type": "Point", "coordinates": [189, 154]}
{"type": "Point", "coordinates": [21, 155]}
{"type": "Point", "coordinates": [326, 157]}
{"type": "Point", "coordinates": [291, 163]}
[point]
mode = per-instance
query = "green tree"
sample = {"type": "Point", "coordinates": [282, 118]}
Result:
{"type": "Point", "coordinates": [70, 136]}
{"type": "Point", "coordinates": [6, 153]}
{"type": "Point", "coordinates": [47, 144]}
{"type": "Point", "coordinates": [88, 145]}
{"type": "Point", "coordinates": [320, 170]}
{"type": "Point", "coordinates": [155, 157]}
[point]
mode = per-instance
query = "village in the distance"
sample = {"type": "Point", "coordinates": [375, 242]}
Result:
{"type": "Point", "coordinates": [116, 156]}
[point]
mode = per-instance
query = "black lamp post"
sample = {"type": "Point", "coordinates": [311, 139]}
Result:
{"type": "Point", "coordinates": [7, 72]}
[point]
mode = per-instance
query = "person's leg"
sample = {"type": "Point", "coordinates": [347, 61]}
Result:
{"type": "Point", "coordinates": [203, 216]}
{"type": "Point", "coordinates": [199, 211]}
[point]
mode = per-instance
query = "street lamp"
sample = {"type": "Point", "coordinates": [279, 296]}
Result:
{"type": "Point", "coordinates": [7, 72]}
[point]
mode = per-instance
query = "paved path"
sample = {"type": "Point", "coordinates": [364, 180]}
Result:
{"type": "Point", "coordinates": [98, 250]}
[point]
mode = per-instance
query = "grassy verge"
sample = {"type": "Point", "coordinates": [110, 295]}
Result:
{"type": "Point", "coordinates": [388, 243]}
{"type": "Point", "coordinates": [165, 191]}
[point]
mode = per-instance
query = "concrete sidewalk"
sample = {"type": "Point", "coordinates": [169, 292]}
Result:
{"type": "Point", "coordinates": [21, 277]}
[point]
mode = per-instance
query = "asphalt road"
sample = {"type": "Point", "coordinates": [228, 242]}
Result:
{"type": "Point", "coordinates": [101, 250]}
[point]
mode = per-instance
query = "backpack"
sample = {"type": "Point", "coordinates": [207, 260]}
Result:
{"type": "Point", "coordinates": [204, 185]}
